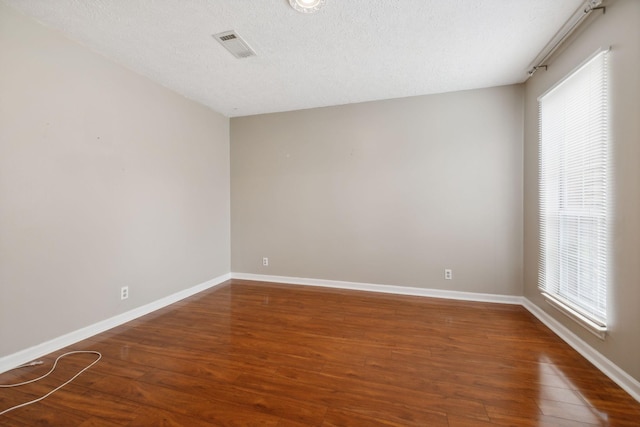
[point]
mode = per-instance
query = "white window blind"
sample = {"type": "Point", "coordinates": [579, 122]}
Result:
{"type": "Point", "coordinates": [574, 140]}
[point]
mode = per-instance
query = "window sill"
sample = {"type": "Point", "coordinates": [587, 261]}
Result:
{"type": "Point", "coordinates": [598, 330]}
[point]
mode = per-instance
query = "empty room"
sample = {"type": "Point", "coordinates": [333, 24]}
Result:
{"type": "Point", "coordinates": [320, 213]}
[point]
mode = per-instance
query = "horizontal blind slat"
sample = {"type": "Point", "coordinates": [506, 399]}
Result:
{"type": "Point", "coordinates": [573, 183]}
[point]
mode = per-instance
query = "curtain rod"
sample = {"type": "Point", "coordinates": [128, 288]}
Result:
{"type": "Point", "coordinates": [567, 29]}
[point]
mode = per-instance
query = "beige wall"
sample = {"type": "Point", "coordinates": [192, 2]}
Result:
{"type": "Point", "coordinates": [390, 192]}
{"type": "Point", "coordinates": [106, 180]}
{"type": "Point", "coordinates": [620, 29]}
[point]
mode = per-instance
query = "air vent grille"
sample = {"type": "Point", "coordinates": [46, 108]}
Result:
{"type": "Point", "coordinates": [234, 44]}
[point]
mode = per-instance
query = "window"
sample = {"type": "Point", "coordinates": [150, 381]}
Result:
{"type": "Point", "coordinates": [574, 199]}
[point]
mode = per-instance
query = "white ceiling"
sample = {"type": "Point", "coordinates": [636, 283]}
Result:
{"type": "Point", "coordinates": [350, 51]}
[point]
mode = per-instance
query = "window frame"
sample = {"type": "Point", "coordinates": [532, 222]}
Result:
{"type": "Point", "coordinates": [595, 320]}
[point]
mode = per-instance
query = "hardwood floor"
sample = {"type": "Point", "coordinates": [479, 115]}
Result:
{"type": "Point", "coordinates": [249, 353]}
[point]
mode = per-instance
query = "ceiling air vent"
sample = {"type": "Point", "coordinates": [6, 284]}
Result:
{"type": "Point", "coordinates": [234, 44]}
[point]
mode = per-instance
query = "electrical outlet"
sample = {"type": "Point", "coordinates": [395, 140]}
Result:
{"type": "Point", "coordinates": [124, 292]}
{"type": "Point", "coordinates": [265, 262]}
{"type": "Point", "coordinates": [448, 274]}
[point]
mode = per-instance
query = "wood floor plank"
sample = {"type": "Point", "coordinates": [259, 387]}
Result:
{"type": "Point", "coordinates": [284, 407]}
{"type": "Point", "coordinates": [149, 416]}
{"type": "Point", "coordinates": [267, 354]}
{"type": "Point", "coordinates": [345, 418]}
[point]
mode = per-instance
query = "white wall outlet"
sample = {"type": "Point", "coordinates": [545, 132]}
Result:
{"type": "Point", "coordinates": [124, 292]}
{"type": "Point", "coordinates": [265, 262]}
{"type": "Point", "coordinates": [448, 274]}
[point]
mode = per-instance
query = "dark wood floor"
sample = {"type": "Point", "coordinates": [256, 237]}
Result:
{"type": "Point", "coordinates": [250, 353]}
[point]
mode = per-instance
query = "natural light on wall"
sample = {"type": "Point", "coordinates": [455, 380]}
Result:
{"type": "Point", "coordinates": [574, 199]}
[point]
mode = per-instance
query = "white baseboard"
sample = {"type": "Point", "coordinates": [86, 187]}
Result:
{"type": "Point", "coordinates": [29, 354]}
{"type": "Point", "coordinates": [610, 369]}
{"type": "Point", "coordinates": [624, 380]}
{"type": "Point", "coordinates": [389, 289]}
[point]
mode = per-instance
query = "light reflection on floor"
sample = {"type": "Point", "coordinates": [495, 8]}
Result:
{"type": "Point", "coordinates": [559, 395]}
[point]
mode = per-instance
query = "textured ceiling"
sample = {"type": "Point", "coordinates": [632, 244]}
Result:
{"type": "Point", "coordinates": [350, 51]}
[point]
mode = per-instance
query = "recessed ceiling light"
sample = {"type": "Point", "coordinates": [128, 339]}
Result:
{"type": "Point", "coordinates": [307, 6]}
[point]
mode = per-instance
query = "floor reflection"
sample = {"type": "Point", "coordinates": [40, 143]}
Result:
{"type": "Point", "coordinates": [562, 396]}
